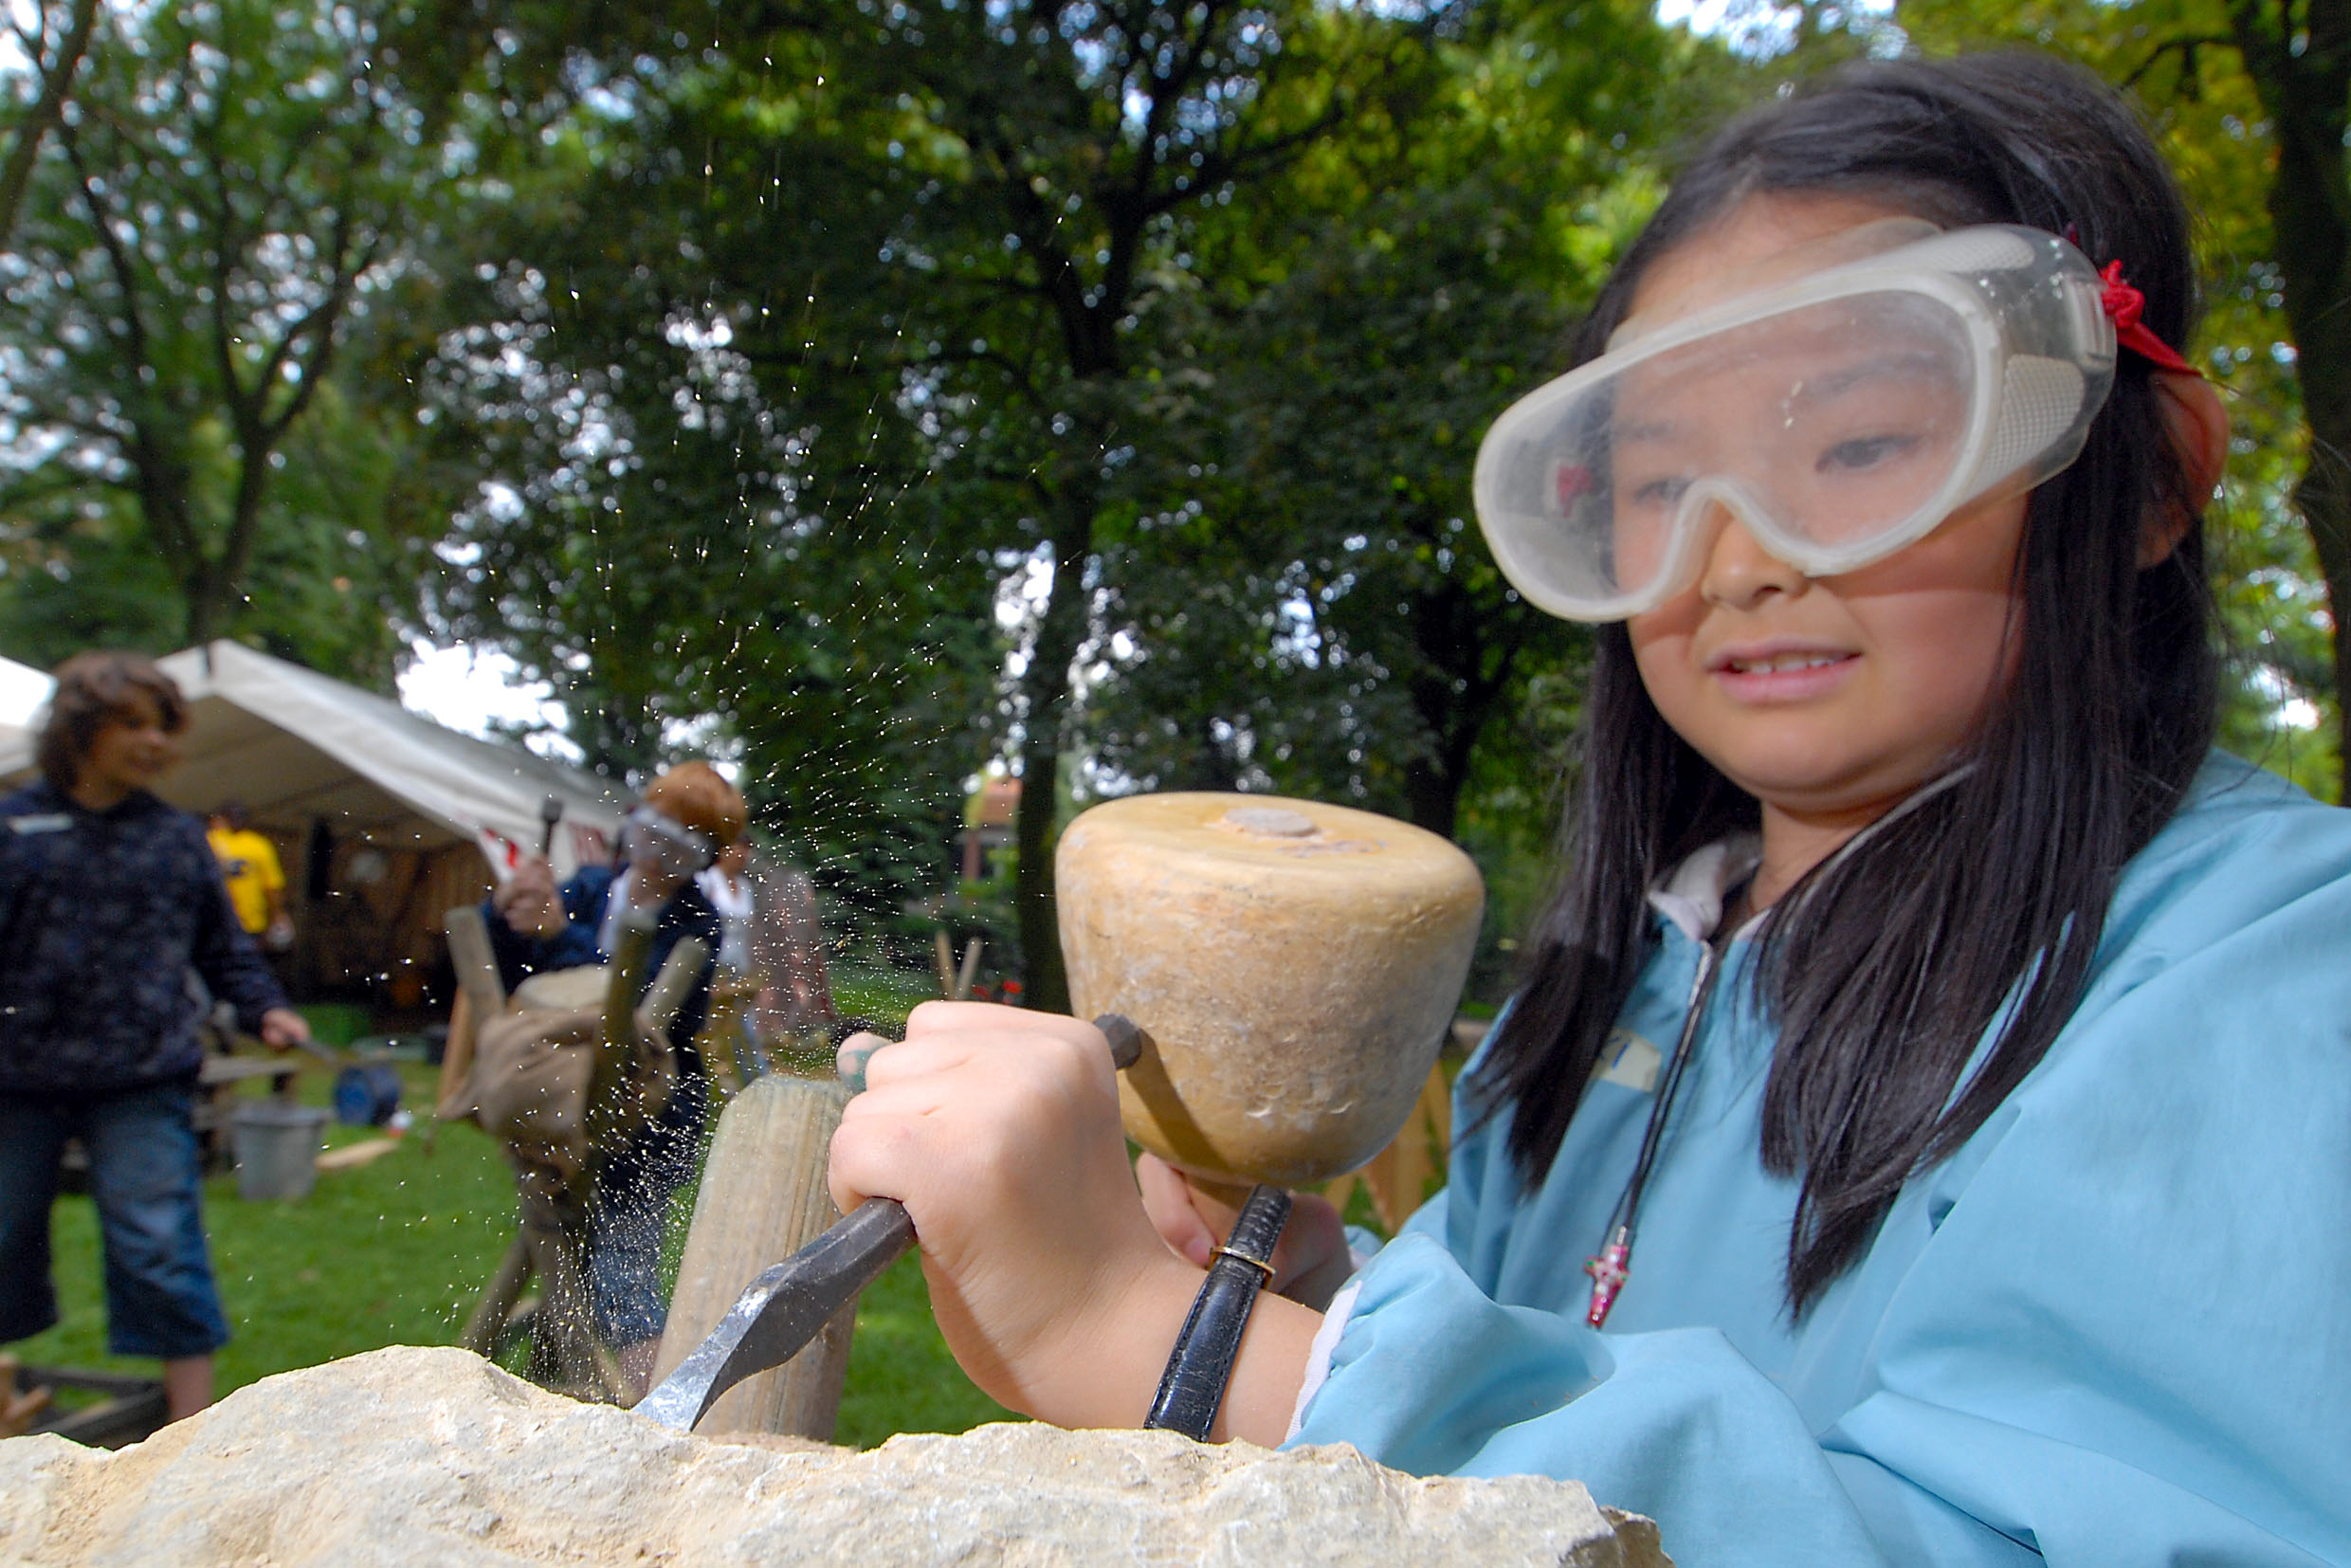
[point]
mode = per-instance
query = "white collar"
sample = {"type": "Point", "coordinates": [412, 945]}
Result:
{"type": "Point", "coordinates": [1692, 897]}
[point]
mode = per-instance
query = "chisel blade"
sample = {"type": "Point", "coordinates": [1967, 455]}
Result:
{"type": "Point", "coordinates": [781, 1311]}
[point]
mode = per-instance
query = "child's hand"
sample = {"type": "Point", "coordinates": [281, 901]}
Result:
{"type": "Point", "coordinates": [1311, 1262]}
{"type": "Point", "coordinates": [282, 1028]}
{"type": "Point", "coordinates": [528, 901]}
{"type": "Point", "coordinates": [999, 1128]}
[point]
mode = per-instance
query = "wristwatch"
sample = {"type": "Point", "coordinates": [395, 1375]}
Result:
{"type": "Point", "coordinates": [1191, 1390]}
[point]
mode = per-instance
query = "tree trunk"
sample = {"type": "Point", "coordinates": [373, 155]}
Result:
{"type": "Point", "coordinates": [2323, 498]}
{"type": "Point", "coordinates": [1045, 685]}
{"type": "Point", "coordinates": [2310, 239]}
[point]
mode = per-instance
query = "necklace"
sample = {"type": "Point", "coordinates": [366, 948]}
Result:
{"type": "Point", "coordinates": [1614, 1264]}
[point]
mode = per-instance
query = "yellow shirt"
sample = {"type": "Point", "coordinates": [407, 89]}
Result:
{"type": "Point", "coordinates": [250, 863]}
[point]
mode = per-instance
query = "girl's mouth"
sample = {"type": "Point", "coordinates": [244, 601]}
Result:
{"type": "Point", "coordinates": [1764, 674]}
{"type": "Point", "coordinates": [1777, 663]}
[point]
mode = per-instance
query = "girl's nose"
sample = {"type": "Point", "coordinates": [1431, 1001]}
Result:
{"type": "Point", "coordinates": [1740, 574]}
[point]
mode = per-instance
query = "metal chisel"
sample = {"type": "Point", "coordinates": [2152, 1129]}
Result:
{"type": "Point", "coordinates": [783, 1309]}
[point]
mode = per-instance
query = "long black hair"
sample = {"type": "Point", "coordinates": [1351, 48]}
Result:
{"type": "Point", "coordinates": [1979, 911]}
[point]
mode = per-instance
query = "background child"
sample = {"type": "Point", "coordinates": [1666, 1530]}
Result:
{"type": "Point", "coordinates": [108, 898]}
{"type": "Point", "coordinates": [1940, 1057]}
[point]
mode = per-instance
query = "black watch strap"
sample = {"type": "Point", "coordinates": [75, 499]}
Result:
{"type": "Point", "coordinates": [1193, 1388]}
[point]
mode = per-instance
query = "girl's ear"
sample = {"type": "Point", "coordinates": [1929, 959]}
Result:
{"type": "Point", "coordinates": [2199, 428]}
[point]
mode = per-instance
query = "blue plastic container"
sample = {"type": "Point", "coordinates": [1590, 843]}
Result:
{"type": "Point", "coordinates": [366, 1095]}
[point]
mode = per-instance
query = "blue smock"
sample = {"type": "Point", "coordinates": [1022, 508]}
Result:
{"type": "Point", "coordinates": [2113, 1327]}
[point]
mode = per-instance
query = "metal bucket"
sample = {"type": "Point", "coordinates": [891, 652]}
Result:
{"type": "Point", "coordinates": [277, 1146]}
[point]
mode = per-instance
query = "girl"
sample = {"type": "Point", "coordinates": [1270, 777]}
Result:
{"type": "Point", "coordinates": [1921, 1132]}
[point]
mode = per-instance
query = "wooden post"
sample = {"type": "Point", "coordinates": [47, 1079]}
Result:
{"type": "Point", "coordinates": [481, 998]}
{"type": "Point", "coordinates": [450, 1103]}
{"type": "Point", "coordinates": [470, 955]}
{"type": "Point", "coordinates": [762, 1199]}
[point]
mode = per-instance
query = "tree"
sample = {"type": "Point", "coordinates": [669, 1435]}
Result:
{"type": "Point", "coordinates": [942, 300]}
{"type": "Point", "coordinates": [972, 210]}
{"type": "Point", "coordinates": [54, 66]}
{"type": "Point", "coordinates": [2299, 59]}
{"type": "Point", "coordinates": [231, 188]}
{"type": "Point", "coordinates": [651, 540]}
{"type": "Point", "coordinates": [1080, 143]}
{"type": "Point", "coordinates": [1326, 620]}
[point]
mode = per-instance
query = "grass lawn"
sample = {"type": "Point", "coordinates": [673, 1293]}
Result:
{"type": "Point", "coordinates": [395, 1252]}
{"type": "Point", "coordinates": [884, 995]}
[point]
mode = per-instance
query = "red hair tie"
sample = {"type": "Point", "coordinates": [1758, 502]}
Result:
{"type": "Point", "coordinates": [2124, 306]}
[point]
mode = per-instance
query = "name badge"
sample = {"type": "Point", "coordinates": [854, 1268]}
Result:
{"type": "Point", "coordinates": [1628, 1060]}
{"type": "Point", "coordinates": [47, 822]}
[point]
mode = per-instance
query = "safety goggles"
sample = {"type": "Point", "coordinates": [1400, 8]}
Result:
{"type": "Point", "coordinates": [1839, 405]}
{"type": "Point", "coordinates": [648, 837]}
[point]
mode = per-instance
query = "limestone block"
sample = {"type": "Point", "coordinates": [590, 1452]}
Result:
{"type": "Point", "coordinates": [411, 1455]}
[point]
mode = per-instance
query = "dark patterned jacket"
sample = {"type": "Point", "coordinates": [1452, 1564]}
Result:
{"type": "Point", "coordinates": [102, 914]}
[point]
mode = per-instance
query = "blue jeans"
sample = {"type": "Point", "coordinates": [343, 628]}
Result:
{"type": "Point", "coordinates": [144, 1173]}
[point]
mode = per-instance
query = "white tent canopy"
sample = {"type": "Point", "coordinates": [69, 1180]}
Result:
{"type": "Point", "coordinates": [23, 689]}
{"type": "Point", "coordinates": [296, 746]}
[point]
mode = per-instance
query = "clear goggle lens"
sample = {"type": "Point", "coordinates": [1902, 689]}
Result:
{"type": "Point", "coordinates": [651, 837]}
{"type": "Point", "coordinates": [1838, 418]}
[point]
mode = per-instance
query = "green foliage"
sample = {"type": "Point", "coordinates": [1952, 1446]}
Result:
{"type": "Point", "coordinates": [1320, 617]}
{"type": "Point", "coordinates": [912, 304]}
{"type": "Point", "coordinates": [221, 210]}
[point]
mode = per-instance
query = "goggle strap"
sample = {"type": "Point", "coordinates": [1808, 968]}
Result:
{"type": "Point", "coordinates": [2124, 306]}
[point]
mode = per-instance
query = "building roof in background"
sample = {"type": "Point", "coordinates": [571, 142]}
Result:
{"type": "Point", "coordinates": [296, 746]}
{"type": "Point", "coordinates": [995, 805]}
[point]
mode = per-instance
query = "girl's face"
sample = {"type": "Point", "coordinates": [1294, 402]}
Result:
{"type": "Point", "coordinates": [1827, 698]}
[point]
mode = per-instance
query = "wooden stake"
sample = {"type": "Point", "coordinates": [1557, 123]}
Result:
{"type": "Point", "coordinates": [1399, 1175]}
{"type": "Point", "coordinates": [479, 998]}
{"type": "Point", "coordinates": [762, 1199]}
